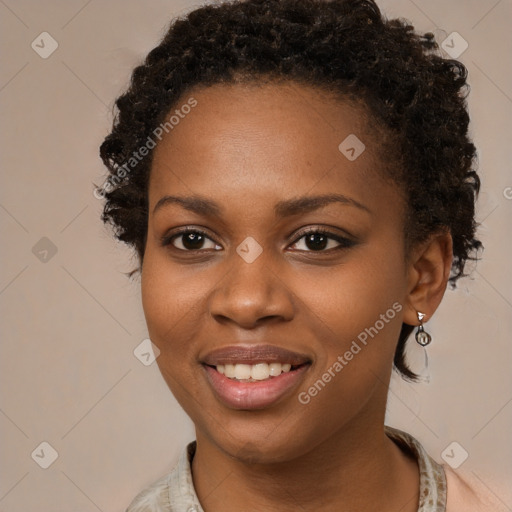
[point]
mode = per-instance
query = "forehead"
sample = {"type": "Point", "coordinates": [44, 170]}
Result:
{"type": "Point", "coordinates": [266, 140]}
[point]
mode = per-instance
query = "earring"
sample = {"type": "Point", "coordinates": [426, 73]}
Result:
{"type": "Point", "coordinates": [422, 338]}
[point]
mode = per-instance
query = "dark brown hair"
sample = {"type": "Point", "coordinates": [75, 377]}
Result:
{"type": "Point", "coordinates": [348, 46]}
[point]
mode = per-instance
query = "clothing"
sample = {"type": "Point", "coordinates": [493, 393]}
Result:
{"type": "Point", "coordinates": [441, 488]}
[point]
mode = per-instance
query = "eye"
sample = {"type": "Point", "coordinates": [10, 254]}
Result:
{"type": "Point", "coordinates": [190, 240]}
{"type": "Point", "coordinates": [319, 240]}
{"type": "Point", "coordinates": [311, 240]}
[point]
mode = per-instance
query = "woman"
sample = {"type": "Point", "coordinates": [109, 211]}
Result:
{"type": "Point", "coordinates": [297, 180]}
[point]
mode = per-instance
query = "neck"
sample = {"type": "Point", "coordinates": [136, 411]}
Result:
{"type": "Point", "coordinates": [355, 469]}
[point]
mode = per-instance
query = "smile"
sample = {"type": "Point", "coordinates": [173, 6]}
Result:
{"type": "Point", "coordinates": [253, 372]}
{"type": "Point", "coordinates": [257, 377]}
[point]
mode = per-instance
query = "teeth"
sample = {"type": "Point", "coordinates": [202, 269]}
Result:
{"type": "Point", "coordinates": [242, 371]}
{"type": "Point", "coordinates": [276, 368]}
{"type": "Point", "coordinates": [260, 371]}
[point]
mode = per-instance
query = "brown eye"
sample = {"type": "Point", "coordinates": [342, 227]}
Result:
{"type": "Point", "coordinates": [190, 240]}
{"type": "Point", "coordinates": [321, 241]}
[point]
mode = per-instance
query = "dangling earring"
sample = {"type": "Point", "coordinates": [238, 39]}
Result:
{"type": "Point", "coordinates": [422, 338]}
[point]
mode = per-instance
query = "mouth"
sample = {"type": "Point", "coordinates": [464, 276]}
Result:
{"type": "Point", "coordinates": [254, 372]}
{"type": "Point", "coordinates": [257, 377]}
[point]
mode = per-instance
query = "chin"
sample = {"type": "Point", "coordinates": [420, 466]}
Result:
{"type": "Point", "coordinates": [253, 452]}
{"type": "Point", "coordinates": [265, 445]}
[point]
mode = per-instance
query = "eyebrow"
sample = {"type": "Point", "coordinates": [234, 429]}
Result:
{"type": "Point", "coordinates": [204, 206]}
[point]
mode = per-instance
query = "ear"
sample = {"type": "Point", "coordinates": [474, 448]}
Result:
{"type": "Point", "coordinates": [428, 273]}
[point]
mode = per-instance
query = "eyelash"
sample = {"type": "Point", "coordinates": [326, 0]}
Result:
{"type": "Point", "coordinates": [344, 243]}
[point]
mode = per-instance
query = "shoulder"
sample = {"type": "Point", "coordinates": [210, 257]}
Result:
{"type": "Point", "coordinates": [467, 493]}
{"type": "Point", "coordinates": [444, 489]}
{"type": "Point", "coordinates": [154, 498]}
{"type": "Point", "coordinates": [173, 492]}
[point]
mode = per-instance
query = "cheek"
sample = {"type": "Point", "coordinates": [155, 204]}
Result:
{"type": "Point", "coordinates": [357, 313]}
{"type": "Point", "coordinates": [170, 298]}
{"type": "Point", "coordinates": [352, 296]}
{"type": "Point", "coordinates": [172, 306]}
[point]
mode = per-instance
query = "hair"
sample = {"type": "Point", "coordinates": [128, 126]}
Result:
{"type": "Point", "coordinates": [415, 96]}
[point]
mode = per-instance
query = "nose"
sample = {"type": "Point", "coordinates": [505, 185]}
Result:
{"type": "Point", "coordinates": [251, 294]}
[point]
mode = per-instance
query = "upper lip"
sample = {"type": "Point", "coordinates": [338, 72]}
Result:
{"type": "Point", "coordinates": [254, 354]}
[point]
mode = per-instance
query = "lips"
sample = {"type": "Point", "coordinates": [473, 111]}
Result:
{"type": "Point", "coordinates": [253, 355]}
{"type": "Point", "coordinates": [254, 377]}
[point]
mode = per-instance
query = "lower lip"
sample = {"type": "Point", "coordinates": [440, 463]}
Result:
{"type": "Point", "coordinates": [254, 395]}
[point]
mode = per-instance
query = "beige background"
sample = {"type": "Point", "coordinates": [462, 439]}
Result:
{"type": "Point", "coordinates": [69, 325]}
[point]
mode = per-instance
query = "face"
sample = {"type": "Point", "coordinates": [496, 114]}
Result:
{"type": "Point", "coordinates": [274, 271]}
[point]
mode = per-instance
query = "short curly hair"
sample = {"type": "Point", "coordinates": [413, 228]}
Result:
{"type": "Point", "coordinates": [416, 96]}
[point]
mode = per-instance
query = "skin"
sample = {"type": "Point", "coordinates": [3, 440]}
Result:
{"type": "Point", "coordinates": [247, 147]}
